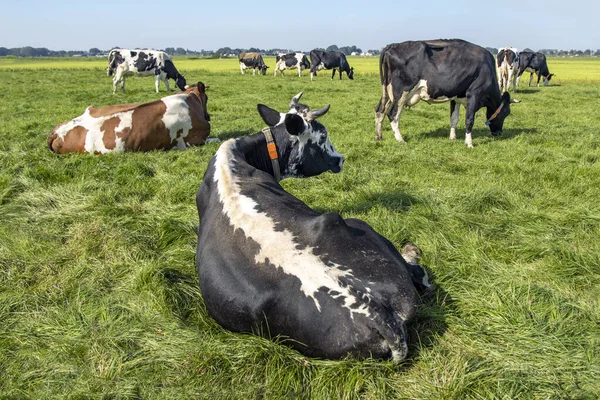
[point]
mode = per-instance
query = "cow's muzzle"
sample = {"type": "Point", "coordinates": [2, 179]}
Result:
{"type": "Point", "coordinates": [336, 164]}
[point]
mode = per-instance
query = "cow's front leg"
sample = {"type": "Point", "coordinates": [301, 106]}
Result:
{"type": "Point", "coordinates": [122, 83]}
{"type": "Point", "coordinates": [454, 117]}
{"type": "Point", "coordinates": [157, 82]}
{"type": "Point", "coordinates": [333, 74]}
{"type": "Point", "coordinates": [530, 79]}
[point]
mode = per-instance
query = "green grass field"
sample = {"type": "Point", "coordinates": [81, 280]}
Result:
{"type": "Point", "coordinates": [98, 289]}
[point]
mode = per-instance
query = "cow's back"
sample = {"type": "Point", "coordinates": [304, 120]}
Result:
{"type": "Point", "coordinates": [434, 61]}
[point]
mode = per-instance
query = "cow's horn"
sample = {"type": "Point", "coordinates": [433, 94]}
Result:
{"type": "Point", "coordinates": [294, 100]}
{"type": "Point", "coordinates": [312, 115]}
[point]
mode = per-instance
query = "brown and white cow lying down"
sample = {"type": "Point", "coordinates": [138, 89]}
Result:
{"type": "Point", "coordinates": [177, 121]}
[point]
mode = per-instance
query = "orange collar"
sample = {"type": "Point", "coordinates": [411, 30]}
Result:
{"type": "Point", "coordinates": [272, 148]}
{"type": "Point", "coordinates": [495, 114]}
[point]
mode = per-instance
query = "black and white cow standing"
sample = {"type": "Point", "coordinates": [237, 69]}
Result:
{"type": "Point", "coordinates": [437, 71]}
{"type": "Point", "coordinates": [336, 60]}
{"type": "Point", "coordinates": [269, 263]}
{"type": "Point", "coordinates": [123, 63]}
{"type": "Point", "coordinates": [290, 61]}
{"type": "Point", "coordinates": [508, 68]}
{"type": "Point", "coordinates": [534, 63]}
{"type": "Point", "coordinates": [252, 60]}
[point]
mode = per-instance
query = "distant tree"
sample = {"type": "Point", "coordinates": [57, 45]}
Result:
{"type": "Point", "coordinates": [94, 51]}
{"type": "Point", "coordinates": [27, 51]}
{"type": "Point", "coordinates": [492, 50]}
{"type": "Point", "coordinates": [180, 51]}
{"type": "Point", "coordinates": [169, 50]}
{"type": "Point", "coordinates": [587, 52]}
{"type": "Point", "coordinates": [4, 51]}
{"type": "Point", "coordinates": [597, 53]}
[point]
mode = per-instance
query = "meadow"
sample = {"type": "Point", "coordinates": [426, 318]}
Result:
{"type": "Point", "coordinates": [98, 289]}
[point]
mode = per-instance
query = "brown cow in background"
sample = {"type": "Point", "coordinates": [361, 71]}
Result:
{"type": "Point", "coordinates": [177, 121]}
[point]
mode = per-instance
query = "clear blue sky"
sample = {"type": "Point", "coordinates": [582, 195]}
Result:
{"type": "Point", "coordinates": [299, 24]}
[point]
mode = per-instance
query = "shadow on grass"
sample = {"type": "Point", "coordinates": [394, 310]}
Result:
{"type": "Point", "coordinates": [234, 134]}
{"type": "Point", "coordinates": [479, 133]}
{"type": "Point", "coordinates": [430, 323]}
{"type": "Point", "coordinates": [397, 201]}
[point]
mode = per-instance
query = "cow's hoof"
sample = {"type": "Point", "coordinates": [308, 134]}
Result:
{"type": "Point", "coordinates": [411, 253]}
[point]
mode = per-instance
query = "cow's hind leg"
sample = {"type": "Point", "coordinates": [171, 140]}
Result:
{"type": "Point", "coordinates": [396, 116]}
{"type": "Point", "coordinates": [383, 108]}
{"type": "Point", "coordinates": [530, 79]}
{"type": "Point", "coordinates": [454, 117]}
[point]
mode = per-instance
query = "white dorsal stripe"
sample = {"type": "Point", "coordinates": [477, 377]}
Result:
{"type": "Point", "coordinates": [278, 247]}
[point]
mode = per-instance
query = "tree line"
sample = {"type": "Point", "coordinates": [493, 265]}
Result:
{"type": "Point", "coordinates": [29, 51]}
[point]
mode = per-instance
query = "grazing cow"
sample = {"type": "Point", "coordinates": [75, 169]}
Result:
{"type": "Point", "coordinates": [534, 63]}
{"type": "Point", "coordinates": [508, 67]}
{"type": "Point", "coordinates": [123, 63]}
{"type": "Point", "coordinates": [336, 60]}
{"type": "Point", "coordinates": [437, 71]}
{"type": "Point", "coordinates": [252, 60]}
{"type": "Point", "coordinates": [269, 264]}
{"type": "Point", "coordinates": [292, 60]}
{"type": "Point", "coordinates": [173, 122]}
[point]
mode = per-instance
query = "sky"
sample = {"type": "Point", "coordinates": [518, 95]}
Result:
{"type": "Point", "coordinates": [296, 25]}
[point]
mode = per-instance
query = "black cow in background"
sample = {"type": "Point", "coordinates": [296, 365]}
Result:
{"type": "Point", "coordinates": [437, 71]}
{"type": "Point", "coordinates": [336, 60]}
{"type": "Point", "coordinates": [534, 63]}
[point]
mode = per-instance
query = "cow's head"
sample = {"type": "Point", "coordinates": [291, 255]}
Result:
{"type": "Point", "coordinates": [199, 89]}
{"type": "Point", "coordinates": [180, 82]}
{"type": "Point", "coordinates": [263, 69]}
{"type": "Point", "coordinates": [308, 150]}
{"type": "Point", "coordinates": [351, 73]}
{"type": "Point", "coordinates": [495, 118]}
{"type": "Point", "coordinates": [547, 78]}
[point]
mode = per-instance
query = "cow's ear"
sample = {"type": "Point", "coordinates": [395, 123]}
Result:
{"type": "Point", "coordinates": [270, 116]}
{"type": "Point", "coordinates": [294, 124]}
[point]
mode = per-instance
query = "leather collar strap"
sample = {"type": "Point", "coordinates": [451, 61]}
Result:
{"type": "Point", "coordinates": [272, 148]}
{"type": "Point", "coordinates": [495, 114]}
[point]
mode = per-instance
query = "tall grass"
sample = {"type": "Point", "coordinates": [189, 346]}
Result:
{"type": "Point", "coordinates": [98, 289]}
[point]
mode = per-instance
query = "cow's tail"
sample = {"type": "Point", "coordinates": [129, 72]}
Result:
{"type": "Point", "coordinates": [387, 94]}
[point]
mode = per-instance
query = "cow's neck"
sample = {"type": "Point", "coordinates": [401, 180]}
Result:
{"type": "Point", "coordinates": [254, 150]}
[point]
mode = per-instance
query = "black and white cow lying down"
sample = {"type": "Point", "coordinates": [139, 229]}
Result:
{"type": "Point", "coordinates": [437, 71]}
{"type": "Point", "coordinates": [269, 263]}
